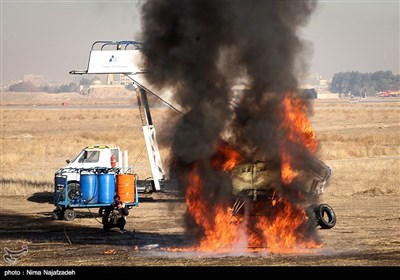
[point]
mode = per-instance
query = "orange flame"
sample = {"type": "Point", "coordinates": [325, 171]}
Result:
{"type": "Point", "coordinates": [284, 233]}
{"type": "Point", "coordinates": [219, 233]}
{"type": "Point", "coordinates": [287, 172]}
{"type": "Point", "coordinates": [299, 131]}
{"type": "Point", "coordinates": [226, 158]}
{"type": "Point", "coordinates": [195, 200]}
{"type": "Point", "coordinates": [283, 226]}
{"type": "Point", "coordinates": [279, 232]}
{"type": "Point", "coordinates": [296, 122]}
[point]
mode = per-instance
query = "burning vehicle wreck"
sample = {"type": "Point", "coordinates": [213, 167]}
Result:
{"type": "Point", "coordinates": [271, 204]}
{"type": "Point", "coordinates": [295, 174]}
{"type": "Point", "coordinates": [255, 187]}
{"type": "Point", "coordinates": [248, 166]}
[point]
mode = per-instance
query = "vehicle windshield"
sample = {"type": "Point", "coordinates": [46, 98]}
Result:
{"type": "Point", "coordinates": [89, 156]}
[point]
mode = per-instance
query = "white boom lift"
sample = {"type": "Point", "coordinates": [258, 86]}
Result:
{"type": "Point", "coordinates": [125, 57]}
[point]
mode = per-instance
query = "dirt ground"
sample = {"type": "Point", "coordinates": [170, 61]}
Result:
{"type": "Point", "coordinates": [367, 231]}
{"type": "Point", "coordinates": [366, 234]}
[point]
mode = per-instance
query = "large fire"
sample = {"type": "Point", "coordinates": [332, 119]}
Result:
{"type": "Point", "coordinates": [200, 59]}
{"type": "Point", "coordinates": [299, 132]}
{"type": "Point", "coordinates": [284, 229]}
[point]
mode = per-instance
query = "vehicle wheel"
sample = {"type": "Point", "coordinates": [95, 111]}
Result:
{"type": "Point", "coordinates": [149, 188]}
{"type": "Point", "coordinates": [311, 214]}
{"type": "Point", "coordinates": [326, 217]}
{"type": "Point", "coordinates": [73, 190]}
{"type": "Point", "coordinates": [102, 211]}
{"type": "Point", "coordinates": [56, 215]}
{"type": "Point", "coordinates": [69, 215]}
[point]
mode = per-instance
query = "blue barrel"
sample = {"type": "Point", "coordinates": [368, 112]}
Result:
{"type": "Point", "coordinates": [89, 188]}
{"type": "Point", "coordinates": [106, 188]}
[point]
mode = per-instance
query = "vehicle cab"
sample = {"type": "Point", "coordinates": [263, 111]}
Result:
{"type": "Point", "coordinates": [91, 157]}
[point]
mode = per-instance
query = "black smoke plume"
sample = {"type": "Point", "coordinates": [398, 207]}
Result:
{"type": "Point", "coordinates": [201, 48]}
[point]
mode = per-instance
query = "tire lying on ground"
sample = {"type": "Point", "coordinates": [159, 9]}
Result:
{"type": "Point", "coordinates": [326, 217]}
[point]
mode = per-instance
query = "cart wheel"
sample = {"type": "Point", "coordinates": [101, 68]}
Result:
{"type": "Point", "coordinates": [69, 214]}
{"type": "Point", "coordinates": [102, 211]}
{"type": "Point", "coordinates": [56, 215]}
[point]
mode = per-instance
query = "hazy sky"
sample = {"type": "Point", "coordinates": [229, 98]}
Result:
{"type": "Point", "coordinates": [53, 37]}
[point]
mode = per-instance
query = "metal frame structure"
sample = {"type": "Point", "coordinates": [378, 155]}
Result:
{"type": "Point", "coordinates": [123, 57]}
{"type": "Point", "coordinates": [66, 197]}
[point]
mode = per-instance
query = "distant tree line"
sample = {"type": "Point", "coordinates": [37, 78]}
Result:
{"type": "Point", "coordinates": [364, 84]}
{"type": "Point", "coordinates": [30, 87]}
{"type": "Point", "coordinates": [354, 83]}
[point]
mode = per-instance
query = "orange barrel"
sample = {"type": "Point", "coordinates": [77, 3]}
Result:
{"type": "Point", "coordinates": [126, 187]}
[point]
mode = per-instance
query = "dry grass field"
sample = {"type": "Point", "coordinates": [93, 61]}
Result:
{"type": "Point", "coordinates": [359, 140]}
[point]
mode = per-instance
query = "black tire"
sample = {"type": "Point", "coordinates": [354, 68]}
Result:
{"type": "Point", "coordinates": [149, 186]}
{"type": "Point", "coordinates": [102, 211]}
{"type": "Point", "coordinates": [326, 217]}
{"type": "Point", "coordinates": [312, 216]}
{"type": "Point", "coordinates": [56, 215]}
{"type": "Point", "coordinates": [69, 215]}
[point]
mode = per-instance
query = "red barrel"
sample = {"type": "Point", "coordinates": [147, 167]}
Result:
{"type": "Point", "coordinates": [126, 187]}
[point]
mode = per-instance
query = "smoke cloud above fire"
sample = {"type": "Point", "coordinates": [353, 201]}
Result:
{"type": "Point", "coordinates": [202, 50]}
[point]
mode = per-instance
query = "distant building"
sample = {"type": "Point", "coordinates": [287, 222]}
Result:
{"type": "Point", "coordinates": [320, 86]}
{"type": "Point", "coordinates": [96, 84]}
{"type": "Point", "coordinates": [36, 80]}
{"type": "Point", "coordinates": [328, 95]}
{"type": "Point", "coordinates": [313, 79]}
{"type": "Point", "coordinates": [316, 81]}
{"type": "Point", "coordinates": [118, 79]}
{"type": "Point", "coordinates": [323, 85]}
{"type": "Point", "coordinates": [96, 81]}
{"type": "Point", "coordinates": [317, 92]}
